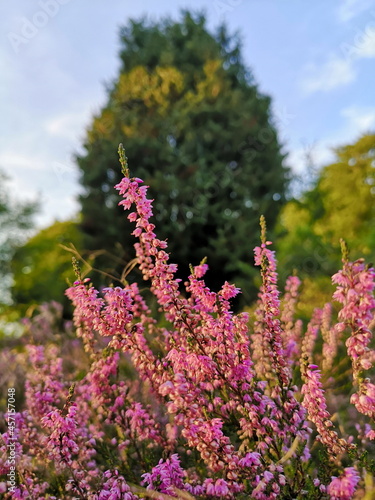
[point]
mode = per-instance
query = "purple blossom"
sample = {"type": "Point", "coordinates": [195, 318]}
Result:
{"type": "Point", "coordinates": [343, 488]}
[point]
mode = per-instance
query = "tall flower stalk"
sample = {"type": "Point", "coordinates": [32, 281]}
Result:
{"type": "Point", "coordinates": [355, 291]}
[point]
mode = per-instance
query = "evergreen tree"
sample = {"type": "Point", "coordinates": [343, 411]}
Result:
{"type": "Point", "coordinates": [199, 132]}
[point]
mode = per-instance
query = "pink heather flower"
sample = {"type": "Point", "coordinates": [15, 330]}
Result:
{"type": "Point", "coordinates": [115, 487]}
{"type": "Point", "coordinates": [316, 406]}
{"type": "Point", "coordinates": [221, 488]}
{"type": "Point", "coordinates": [364, 399]}
{"type": "Point", "coordinates": [331, 337]}
{"type": "Point", "coordinates": [290, 300]}
{"type": "Point", "coordinates": [200, 271]}
{"type": "Point", "coordinates": [269, 296]}
{"type": "Point", "coordinates": [267, 485]}
{"type": "Point", "coordinates": [261, 355]}
{"type": "Point", "coordinates": [44, 386]}
{"type": "Point", "coordinates": [309, 339]}
{"type": "Point", "coordinates": [292, 329]}
{"type": "Point", "coordinates": [142, 425]}
{"type": "Point", "coordinates": [62, 440]}
{"type": "Point", "coordinates": [166, 475]}
{"type": "Point", "coordinates": [30, 485]}
{"type": "Point", "coordinates": [343, 488]}
{"type": "Point", "coordinates": [355, 289]}
{"type": "Point", "coordinates": [87, 307]}
{"type": "Point", "coordinates": [116, 315]}
{"type": "Point", "coordinates": [250, 460]}
{"type": "Point", "coordinates": [229, 291]}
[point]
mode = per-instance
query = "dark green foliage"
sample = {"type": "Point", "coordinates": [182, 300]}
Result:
{"type": "Point", "coordinates": [198, 131]}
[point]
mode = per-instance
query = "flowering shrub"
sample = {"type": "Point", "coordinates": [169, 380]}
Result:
{"type": "Point", "coordinates": [204, 406]}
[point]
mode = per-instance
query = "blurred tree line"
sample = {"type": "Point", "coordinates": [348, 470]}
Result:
{"type": "Point", "coordinates": [340, 204]}
{"type": "Point", "coordinates": [15, 224]}
{"type": "Point", "coordinates": [201, 134]}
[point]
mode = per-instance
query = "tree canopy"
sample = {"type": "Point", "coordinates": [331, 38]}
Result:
{"type": "Point", "coordinates": [197, 129]}
{"type": "Point", "coordinates": [341, 205]}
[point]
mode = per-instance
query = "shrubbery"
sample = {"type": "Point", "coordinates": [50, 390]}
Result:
{"type": "Point", "coordinates": [199, 405]}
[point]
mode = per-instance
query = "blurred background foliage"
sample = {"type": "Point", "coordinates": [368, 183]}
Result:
{"type": "Point", "coordinates": [201, 134]}
{"type": "Point", "coordinates": [340, 204]}
{"type": "Point", "coordinates": [16, 223]}
{"type": "Point", "coordinates": [42, 268]}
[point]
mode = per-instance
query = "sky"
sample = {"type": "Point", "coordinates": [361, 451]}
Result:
{"type": "Point", "coordinates": [314, 59]}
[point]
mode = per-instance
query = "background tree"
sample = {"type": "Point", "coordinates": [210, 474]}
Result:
{"type": "Point", "coordinates": [341, 204]}
{"type": "Point", "coordinates": [199, 132]}
{"type": "Point", "coordinates": [15, 225]}
{"type": "Point", "coordinates": [41, 267]}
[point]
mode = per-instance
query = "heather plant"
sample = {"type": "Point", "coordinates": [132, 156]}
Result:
{"type": "Point", "coordinates": [200, 405]}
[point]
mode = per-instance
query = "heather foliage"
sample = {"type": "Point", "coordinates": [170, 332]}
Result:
{"type": "Point", "coordinates": [200, 405]}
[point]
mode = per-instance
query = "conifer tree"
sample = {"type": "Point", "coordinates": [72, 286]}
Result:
{"type": "Point", "coordinates": [197, 129]}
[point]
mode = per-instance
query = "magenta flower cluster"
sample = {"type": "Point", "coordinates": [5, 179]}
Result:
{"type": "Point", "coordinates": [195, 402]}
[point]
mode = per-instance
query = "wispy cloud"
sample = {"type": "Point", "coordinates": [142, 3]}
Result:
{"type": "Point", "coordinates": [318, 153]}
{"type": "Point", "coordinates": [359, 119]}
{"type": "Point", "coordinates": [11, 161]}
{"type": "Point", "coordinates": [350, 9]}
{"type": "Point", "coordinates": [69, 125]}
{"type": "Point", "coordinates": [367, 46]}
{"type": "Point", "coordinates": [356, 120]}
{"type": "Point", "coordinates": [341, 67]}
{"type": "Point", "coordinates": [333, 73]}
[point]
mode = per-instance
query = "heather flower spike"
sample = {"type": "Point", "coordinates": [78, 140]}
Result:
{"type": "Point", "coordinates": [355, 291]}
{"type": "Point", "coordinates": [123, 161]}
{"type": "Point", "coordinates": [344, 250]}
{"type": "Point", "coordinates": [269, 297]}
{"type": "Point", "coordinates": [76, 269]}
{"type": "Point", "coordinates": [263, 229]}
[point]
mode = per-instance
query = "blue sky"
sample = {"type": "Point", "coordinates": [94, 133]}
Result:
{"type": "Point", "coordinates": [315, 59]}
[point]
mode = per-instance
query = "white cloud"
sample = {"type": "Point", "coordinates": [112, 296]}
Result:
{"type": "Point", "coordinates": [367, 47]}
{"type": "Point", "coordinates": [11, 161]}
{"type": "Point", "coordinates": [332, 74]}
{"type": "Point", "coordinates": [340, 68]}
{"type": "Point", "coordinates": [63, 207]}
{"type": "Point", "coordinates": [68, 125]}
{"type": "Point", "coordinates": [359, 119]}
{"type": "Point", "coordinates": [362, 45]}
{"type": "Point", "coordinates": [53, 183]}
{"type": "Point", "coordinates": [318, 154]}
{"type": "Point", "coordinates": [356, 121]}
{"type": "Point", "coordinates": [352, 8]}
